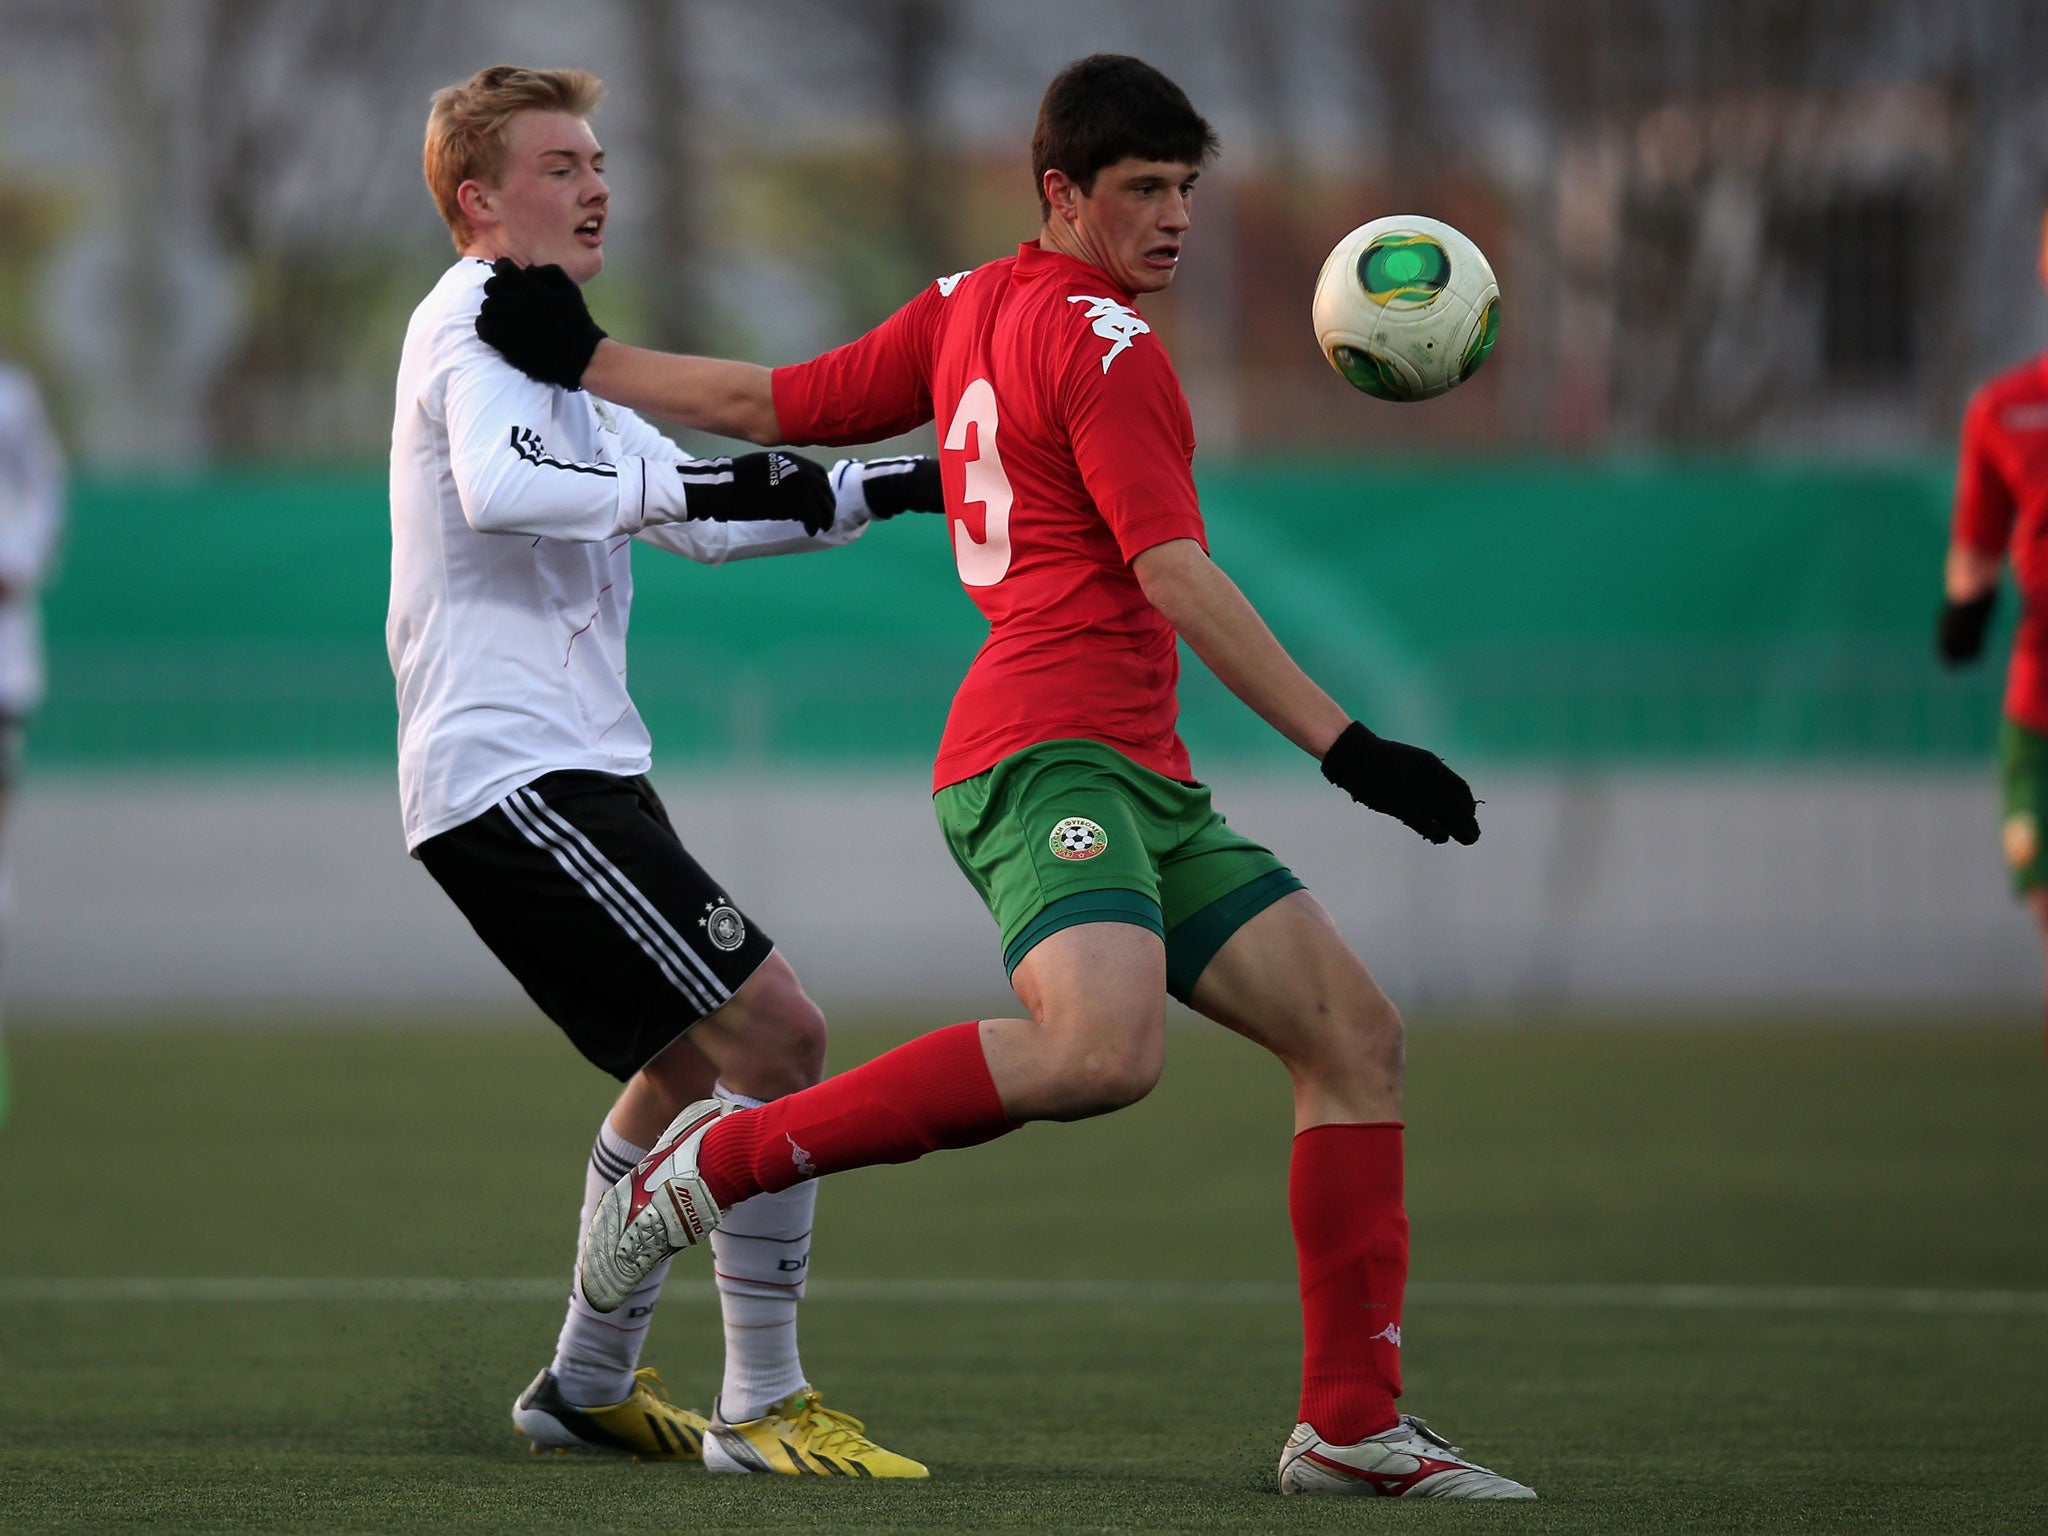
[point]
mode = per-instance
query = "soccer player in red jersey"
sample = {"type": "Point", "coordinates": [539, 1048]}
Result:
{"type": "Point", "coordinates": [2001, 509]}
{"type": "Point", "coordinates": [1062, 786]}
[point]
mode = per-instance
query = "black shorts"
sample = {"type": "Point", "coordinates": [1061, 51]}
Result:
{"type": "Point", "coordinates": [578, 883]}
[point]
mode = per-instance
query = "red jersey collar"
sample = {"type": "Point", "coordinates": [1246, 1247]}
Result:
{"type": "Point", "coordinates": [1034, 260]}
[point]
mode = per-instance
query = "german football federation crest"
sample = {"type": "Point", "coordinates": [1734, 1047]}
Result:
{"type": "Point", "coordinates": [1078, 838]}
{"type": "Point", "coordinates": [723, 925]}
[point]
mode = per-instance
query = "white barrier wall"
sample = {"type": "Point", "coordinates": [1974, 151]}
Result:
{"type": "Point", "coordinates": [1660, 888]}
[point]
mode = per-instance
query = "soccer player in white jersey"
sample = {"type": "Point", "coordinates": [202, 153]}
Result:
{"type": "Point", "coordinates": [514, 510]}
{"type": "Point", "coordinates": [31, 513]}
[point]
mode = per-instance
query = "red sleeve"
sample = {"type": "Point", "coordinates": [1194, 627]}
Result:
{"type": "Point", "coordinates": [1133, 440]}
{"type": "Point", "coordinates": [872, 388]}
{"type": "Point", "coordinates": [1984, 502]}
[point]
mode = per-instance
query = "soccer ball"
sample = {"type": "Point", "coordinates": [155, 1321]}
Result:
{"type": "Point", "coordinates": [1406, 308]}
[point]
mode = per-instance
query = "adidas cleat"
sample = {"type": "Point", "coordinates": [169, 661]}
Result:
{"type": "Point", "coordinates": [660, 1208]}
{"type": "Point", "coordinates": [646, 1425]}
{"type": "Point", "coordinates": [799, 1436]}
{"type": "Point", "coordinates": [1409, 1461]}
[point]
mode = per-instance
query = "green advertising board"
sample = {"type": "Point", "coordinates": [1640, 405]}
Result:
{"type": "Point", "coordinates": [1517, 612]}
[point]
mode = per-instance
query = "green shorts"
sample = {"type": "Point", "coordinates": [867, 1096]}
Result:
{"type": "Point", "coordinates": [2023, 777]}
{"type": "Point", "coordinates": [1072, 831]}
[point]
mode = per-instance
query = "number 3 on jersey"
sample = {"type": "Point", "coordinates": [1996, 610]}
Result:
{"type": "Point", "coordinates": [982, 561]}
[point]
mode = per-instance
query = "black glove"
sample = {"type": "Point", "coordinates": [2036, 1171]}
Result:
{"type": "Point", "coordinates": [535, 316]}
{"type": "Point", "coordinates": [1414, 787]}
{"type": "Point", "coordinates": [901, 485]}
{"type": "Point", "coordinates": [1960, 634]}
{"type": "Point", "coordinates": [759, 488]}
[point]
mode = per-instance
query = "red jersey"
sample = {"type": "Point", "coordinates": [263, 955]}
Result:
{"type": "Point", "coordinates": [2002, 508]}
{"type": "Point", "coordinates": [1065, 448]}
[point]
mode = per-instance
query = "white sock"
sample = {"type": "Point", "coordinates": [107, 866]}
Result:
{"type": "Point", "coordinates": [761, 1254]}
{"type": "Point", "coordinates": [597, 1352]}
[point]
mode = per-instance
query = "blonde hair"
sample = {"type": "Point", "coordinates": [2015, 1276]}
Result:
{"type": "Point", "coordinates": [468, 127]}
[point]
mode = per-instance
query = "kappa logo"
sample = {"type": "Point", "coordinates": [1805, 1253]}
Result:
{"type": "Point", "coordinates": [948, 284]}
{"type": "Point", "coordinates": [1115, 323]}
{"type": "Point", "coordinates": [1390, 1334]}
{"type": "Point", "coordinates": [1078, 838]}
{"type": "Point", "coordinates": [723, 925]}
{"type": "Point", "coordinates": [800, 1157]}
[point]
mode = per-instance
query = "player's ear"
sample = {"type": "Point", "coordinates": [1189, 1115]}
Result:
{"type": "Point", "coordinates": [1061, 193]}
{"type": "Point", "coordinates": [475, 198]}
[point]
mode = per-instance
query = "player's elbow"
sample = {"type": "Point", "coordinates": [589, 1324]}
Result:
{"type": "Point", "coordinates": [530, 516]}
{"type": "Point", "coordinates": [736, 401]}
{"type": "Point", "coordinates": [1970, 573]}
{"type": "Point", "coordinates": [1170, 576]}
{"type": "Point", "coordinates": [492, 513]}
{"type": "Point", "coordinates": [755, 422]}
{"type": "Point", "coordinates": [734, 415]}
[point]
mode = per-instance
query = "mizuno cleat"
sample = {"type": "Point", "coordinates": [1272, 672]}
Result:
{"type": "Point", "coordinates": [646, 1425]}
{"type": "Point", "coordinates": [1409, 1461]}
{"type": "Point", "coordinates": [800, 1436]}
{"type": "Point", "coordinates": [660, 1208]}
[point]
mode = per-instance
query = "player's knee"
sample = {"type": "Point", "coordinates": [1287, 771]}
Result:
{"type": "Point", "coordinates": [1380, 1039]}
{"type": "Point", "coordinates": [1120, 1083]}
{"type": "Point", "coordinates": [1098, 1076]}
{"type": "Point", "coordinates": [796, 1054]}
{"type": "Point", "coordinates": [770, 1039]}
{"type": "Point", "coordinates": [1356, 1038]}
{"type": "Point", "coordinates": [789, 1052]}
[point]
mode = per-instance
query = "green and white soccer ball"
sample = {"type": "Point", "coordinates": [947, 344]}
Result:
{"type": "Point", "coordinates": [1406, 308]}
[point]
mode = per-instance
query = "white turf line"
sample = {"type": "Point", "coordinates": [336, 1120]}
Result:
{"type": "Point", "coordinates": [1440, 1293]}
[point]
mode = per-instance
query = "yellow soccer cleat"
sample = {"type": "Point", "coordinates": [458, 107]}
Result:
{"type": "Point", "coordinates": [646, 1426]}
{"type": "Point", "coordinates": [801, 1435]}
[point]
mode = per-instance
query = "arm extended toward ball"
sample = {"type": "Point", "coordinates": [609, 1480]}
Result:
{"type": "Point", "coordinates": [1220, 625]}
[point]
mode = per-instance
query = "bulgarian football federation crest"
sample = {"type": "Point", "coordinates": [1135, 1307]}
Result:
{"type": "Point", "coordinates": [1078, 838]}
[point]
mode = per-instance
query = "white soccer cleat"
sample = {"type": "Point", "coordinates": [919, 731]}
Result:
{"type": "Point", "coordinates": [660, 1208]}
{"type": "Point", "coordinates": [1409, 1461]}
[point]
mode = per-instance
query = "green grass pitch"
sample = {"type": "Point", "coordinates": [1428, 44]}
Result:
{"type": "Point", "coordinates": [1863, 1212]}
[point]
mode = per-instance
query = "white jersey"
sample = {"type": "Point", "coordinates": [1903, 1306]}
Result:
{"type": "Point", "coordinates": [31, 512]}
{"type": "Point", "coordinates": [514, 509]}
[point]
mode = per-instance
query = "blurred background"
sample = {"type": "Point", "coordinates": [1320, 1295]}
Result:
{"type": "Point", "coordinates": [1661, 579]}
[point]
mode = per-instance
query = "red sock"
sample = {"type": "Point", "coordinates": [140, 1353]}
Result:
{"type": "Point", "coordinates": [934, 1092]}
{"type": "Point", "coordinates": [1351, 1240]}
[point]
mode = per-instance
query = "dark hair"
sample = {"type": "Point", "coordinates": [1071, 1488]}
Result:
{"type": "Point", "coordinates": [1110, 107]}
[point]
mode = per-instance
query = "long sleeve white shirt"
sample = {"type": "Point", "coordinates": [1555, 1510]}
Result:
{"type": "Point", "coordinates": [514, 509]}
{"type": "Point", "coordinates": [31, 514]}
